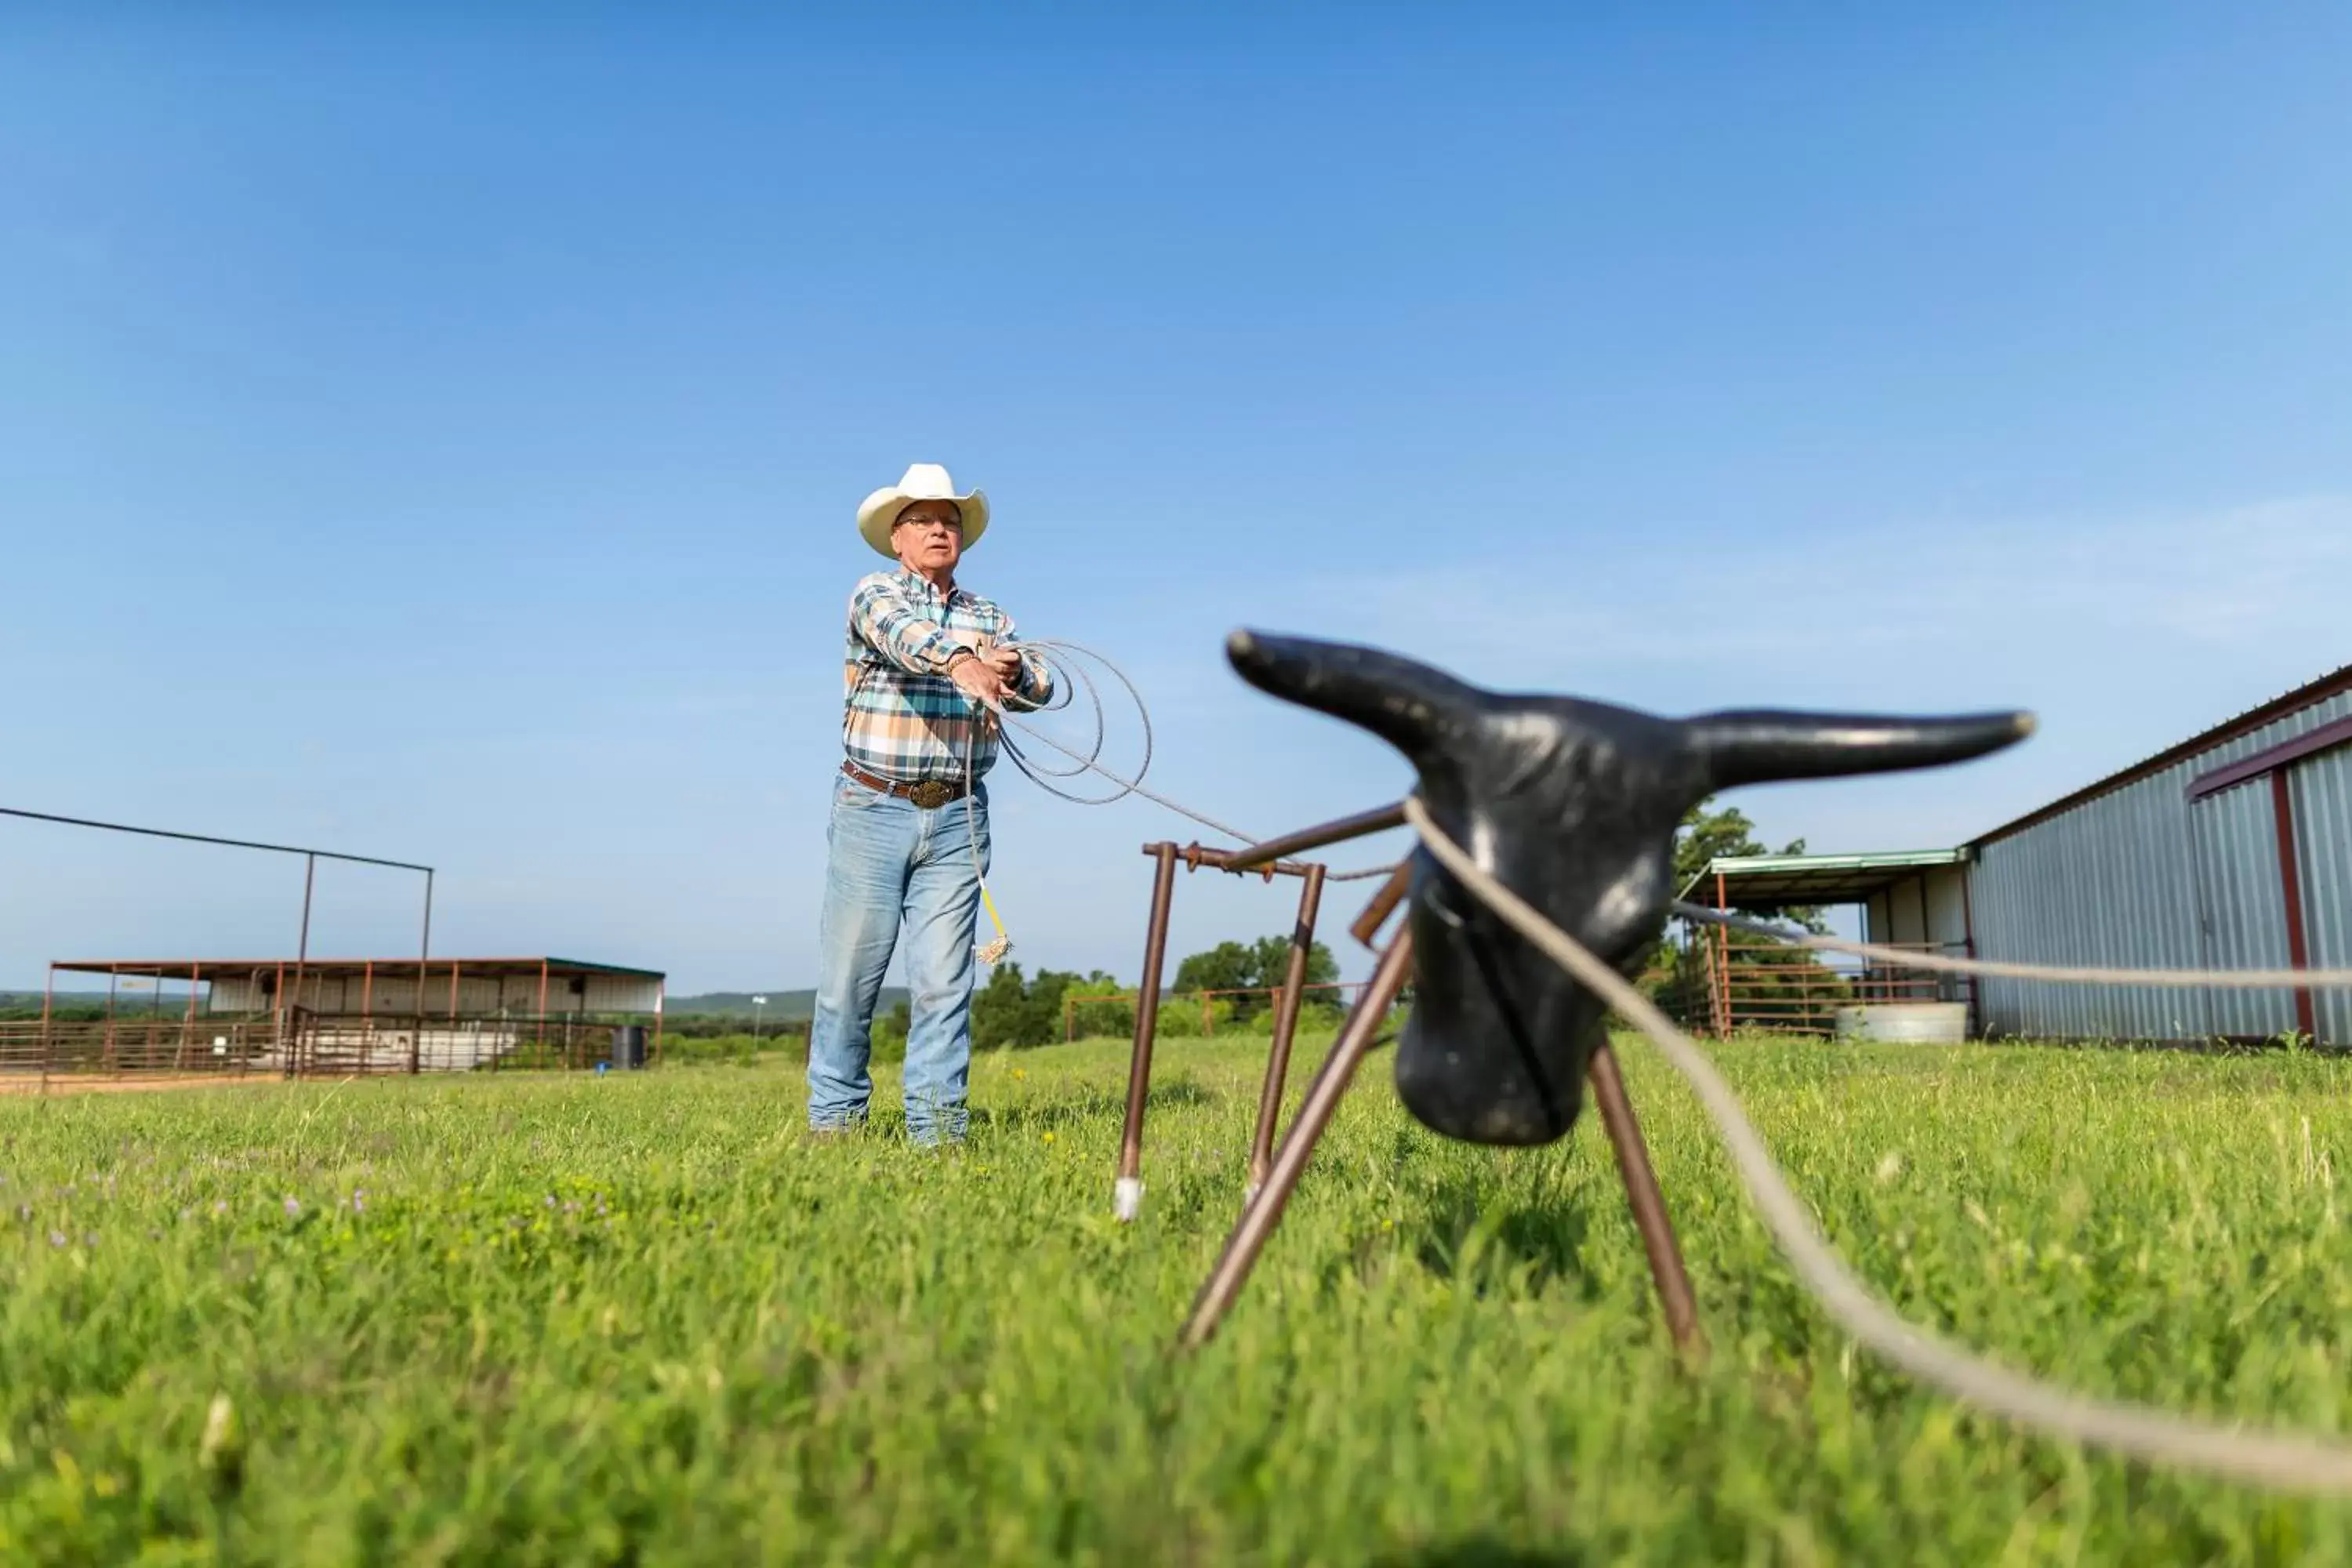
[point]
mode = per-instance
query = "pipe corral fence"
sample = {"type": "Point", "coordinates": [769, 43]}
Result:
{"type": "Point", "coordinates": [339, 1017]}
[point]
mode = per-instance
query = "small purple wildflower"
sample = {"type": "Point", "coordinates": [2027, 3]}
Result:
{"type": "Point", "coordinates": [359, 1201]}
{"type": "Point", "coordinates": [56, 1238]}
{"type": "Point", "coordinates": [293, 1207]}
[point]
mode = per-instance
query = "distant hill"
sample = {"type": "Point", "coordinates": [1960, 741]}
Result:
{"type": "Point", "coordinates": [784, 1006]}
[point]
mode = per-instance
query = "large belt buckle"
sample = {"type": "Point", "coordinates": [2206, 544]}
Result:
{"type": "Point", "coordinates": [931, 793]}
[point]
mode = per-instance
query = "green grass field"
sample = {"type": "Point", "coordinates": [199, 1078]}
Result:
{"type": "Point", "coordinates": [639, 1320]}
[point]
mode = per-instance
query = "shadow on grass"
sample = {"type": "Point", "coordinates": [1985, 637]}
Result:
{"type": "Point", "coordinates": [888, 1124]}
{"type": "Point", "coordinates": [1094, 1105]}
{"type": "Point", "coordinates": [1476, 1554]}
{"type": "Point", "coordinates": [1460, 1231]}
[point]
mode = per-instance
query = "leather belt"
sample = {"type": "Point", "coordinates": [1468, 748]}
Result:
{"type": "Point", "coordinates": [929, 794]}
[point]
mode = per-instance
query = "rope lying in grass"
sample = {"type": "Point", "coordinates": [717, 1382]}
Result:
{"type": "Point", "coordinates": [2289, 1462]}
{"type": "Point", "coordinates": [2242, 979]}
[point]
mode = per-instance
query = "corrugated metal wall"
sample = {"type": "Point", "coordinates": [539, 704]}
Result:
{"type": "Point", "coordinates": [2142, 879]}
{"type": "Point", "coordinates": [2242, 907]}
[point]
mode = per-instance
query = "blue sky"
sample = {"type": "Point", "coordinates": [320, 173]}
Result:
{"type": "Point", "coordinates": [435, 431]}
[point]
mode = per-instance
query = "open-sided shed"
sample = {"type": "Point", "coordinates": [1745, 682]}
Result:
{"type": "Point", "coordinates": [301, 1015]}
{"type": "Point", "coordinates": [1916, 900]}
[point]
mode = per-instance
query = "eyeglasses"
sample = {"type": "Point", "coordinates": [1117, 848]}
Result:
{"type": "Point", "coordinates": [948, 523]}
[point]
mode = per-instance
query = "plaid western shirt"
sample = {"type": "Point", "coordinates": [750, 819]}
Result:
{"type": "Point", "coordinates": [904, 718]}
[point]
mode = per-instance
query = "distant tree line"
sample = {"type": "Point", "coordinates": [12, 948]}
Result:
{"type": "Point", "coordinates": [1227, 988]}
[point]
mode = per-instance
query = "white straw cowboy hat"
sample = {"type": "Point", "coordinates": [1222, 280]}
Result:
{"type": "Point", "coordinates": [922, 481]}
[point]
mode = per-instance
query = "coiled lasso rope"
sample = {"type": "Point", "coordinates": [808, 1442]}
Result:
{"type": "Point", "coordinates": [2293, 1463]}
{"type": "Point", "coordinates": [1069, 677]}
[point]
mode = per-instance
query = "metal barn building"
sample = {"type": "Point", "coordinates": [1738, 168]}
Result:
{"type": "Point", "coordinates": [2230, 850]}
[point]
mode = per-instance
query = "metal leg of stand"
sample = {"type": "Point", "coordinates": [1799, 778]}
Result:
{"type": "Point", "coordinates": [1323, 1095]}
{"type": "Point", "coordinates": [1286, 1024]}
{"type": "Point", "coordinates": [1126, 1192]}
{"type": "Point", "coordinates": [1368, 924]}
{"type": "Point", "coordinates": [1649, 1203]}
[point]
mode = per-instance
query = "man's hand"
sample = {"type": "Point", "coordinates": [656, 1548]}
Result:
{"type": "Point", "coordinates": [1006, 662]}
{"type": "Point", "coordinates": [978, 677]}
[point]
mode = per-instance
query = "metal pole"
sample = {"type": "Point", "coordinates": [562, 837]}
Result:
{"type": "Point", "coordinates": [49, 995]}
{"type": "Point", "coordinates": [302, 949]}
{"type": "Point", "coordinates": [205, 839]}
{"type": "Point", "coordinates": [2298, 953]}
{"type": "Point", "coordinates": [1196, 856]}
{"type": "Point", "coordinates": [154, 1019]}
{"type": "Point", "coordinates": [424, 955]}
{"type": "Point", "coordinates": [278, 1020]}
{"type": "Point", "coordinates": [1323, 1096]}
{"type": "Point", "coordinates": [1969, 928]}
{"type": "Point", "coordinates": [1126, 1192]}
{"type": "Point", "coordinates": [1649, 1204]}
{"type": "Point", "coordinates": [188, 1023]}
{"type": "Point", "coordinates": [1286, 1021]}
{"type": "Point", "coordinates": [111, 980]}
{"type": "Point", "coordinates": [1316, 838]}
{"type": "Point", "coordinates": [1376, 913]}
{"type": "Point", "coordinates": [1723, 964]}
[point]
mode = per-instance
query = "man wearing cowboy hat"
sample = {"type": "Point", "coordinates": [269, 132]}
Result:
{"type": "Point", "coordinates": [906, 849]}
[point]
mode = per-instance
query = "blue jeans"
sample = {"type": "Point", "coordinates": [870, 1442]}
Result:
{"type": "Point", "coordinates": [890, 864]}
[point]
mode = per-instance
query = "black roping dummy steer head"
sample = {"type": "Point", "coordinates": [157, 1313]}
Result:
{"type": "Point", "coordinates": [1573, 806]}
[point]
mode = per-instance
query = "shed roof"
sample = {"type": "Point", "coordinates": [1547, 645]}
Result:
{"type": "Point", "coordinates": [2244, 724]}
{"type": "Point", "coordinates": [196, 969]}
{"type": "Point", "coordinates": [1780, 881]}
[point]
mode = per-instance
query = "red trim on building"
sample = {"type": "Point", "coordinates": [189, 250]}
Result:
{"type": "Point", "coordinates": [2326, 738]}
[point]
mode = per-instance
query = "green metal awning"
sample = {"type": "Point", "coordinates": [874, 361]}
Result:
{"type": "Point", "coordinates": [1778, 881]}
